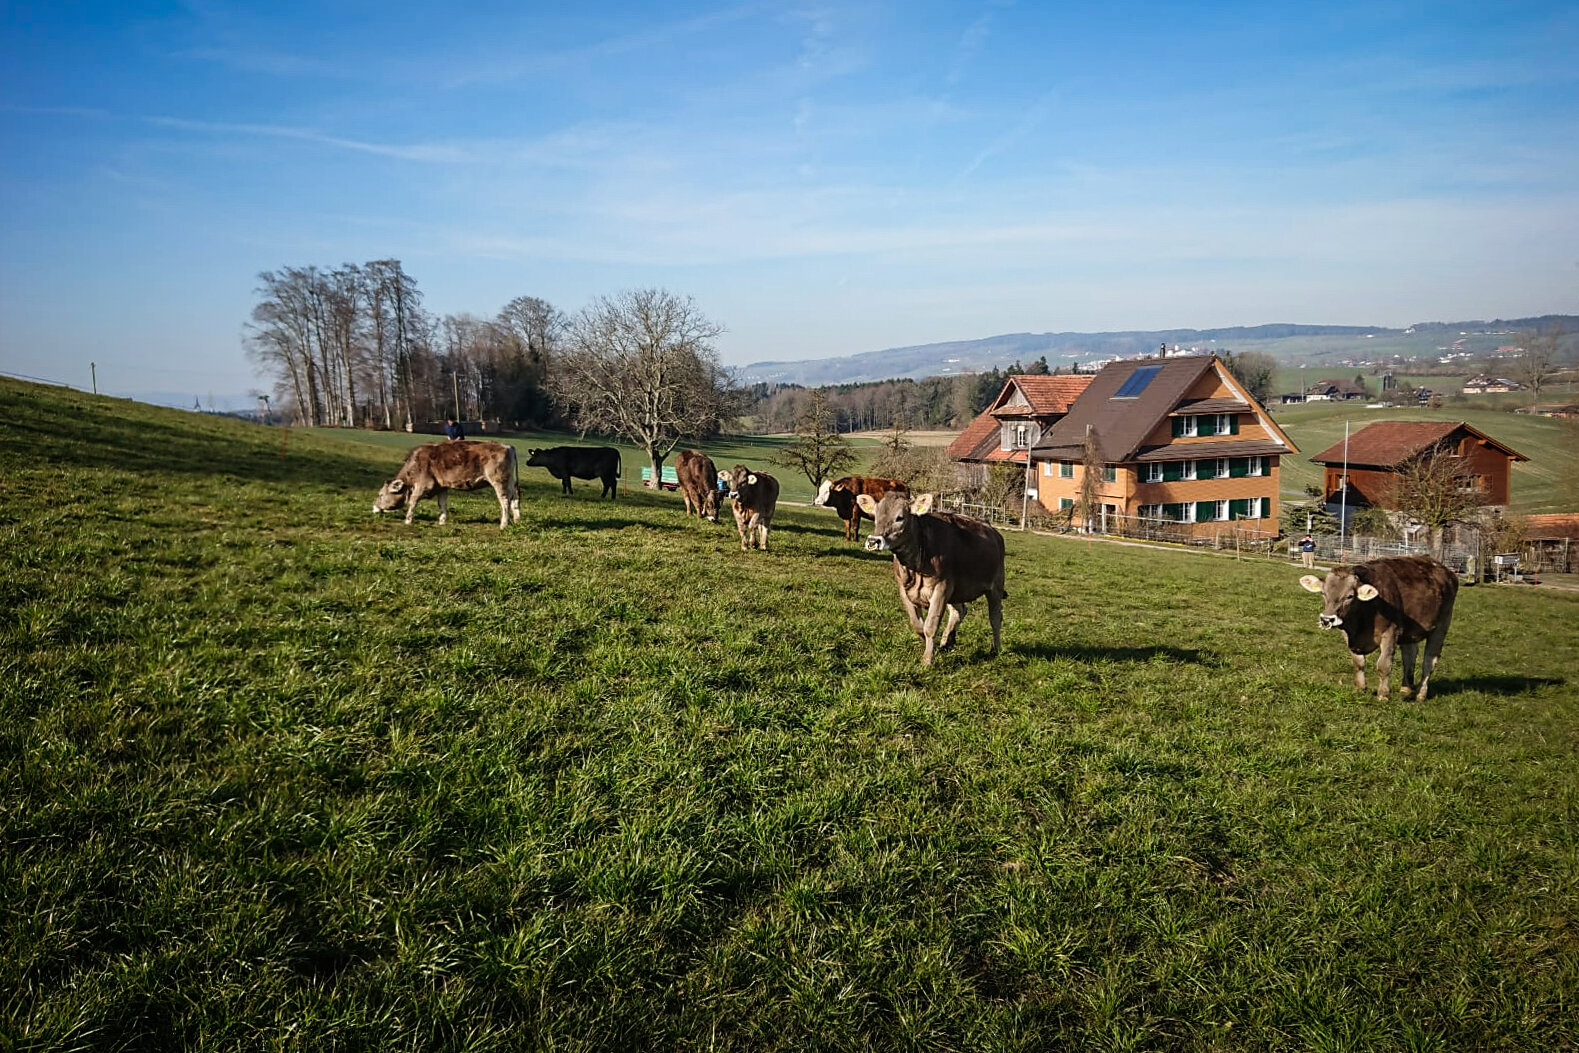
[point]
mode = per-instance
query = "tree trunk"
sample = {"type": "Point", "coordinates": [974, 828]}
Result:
{"type": "Point", "coordinates": [656, 457]}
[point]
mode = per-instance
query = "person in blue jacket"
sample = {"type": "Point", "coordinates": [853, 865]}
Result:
{"type": "Point", "coordinates": [453, 429]}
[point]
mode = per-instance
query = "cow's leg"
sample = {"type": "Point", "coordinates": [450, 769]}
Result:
{"type": "Point", "coordinates": [504, 506]}
{"type": "Point", "coordinates": [742, 524]}
{"type": "Point", "coordinates": [1407, 650]}
{"type": "Point", "coordinates": [934, 615]}
{"type": "Point", "coordinates": [564, 484]}
{"type": "Point", "coordinates": [1359, 670]}
{"type": "Point", "coordinates": [762, 534]}
{"type": "Point", "coordinates": [1384, 664]}
{"type": "Point", "coordinates": [995, 616]}
{"type": "Point", "coordinates": [900, 575]}
{"type": "Point", "coordinates": [413, 495]}
{"type": "Point", "coordinates": [956, 612]}
{"type": "Point", "coordinates": [444, 506]}
{"type": "Point", "coordinates": [1433, 649]}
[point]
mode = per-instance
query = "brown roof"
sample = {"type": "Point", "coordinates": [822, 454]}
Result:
{"type": "Point", "coordinates": [1046, 394]}
{"type": "Point", "coordinates": [1555, 525]}
{"type": "Point", "coordinates": [971, 444]}
{"type": "Point", "coordinates": [1388, 443]}
{"type": "Point", "coordinates": [1190, 451]}
{"type": "Point", "coordinates": [1184, 409]}
{"type": "Point", "coordinates": [1122, 423]}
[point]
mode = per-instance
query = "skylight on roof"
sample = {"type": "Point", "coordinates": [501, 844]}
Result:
{"type": "Point", "coordinates": [1137, 382]}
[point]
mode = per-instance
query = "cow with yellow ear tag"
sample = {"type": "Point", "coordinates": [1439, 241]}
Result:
{"type": "Point", "coordinates": [1384, 604]}
{"type": "Point", "coordinates": [940, 560]}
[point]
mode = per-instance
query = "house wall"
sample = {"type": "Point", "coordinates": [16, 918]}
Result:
{"type": "Point", "coordinates": [1378, 486]}
{"type": "Point", "coordinates": [1127, 494]}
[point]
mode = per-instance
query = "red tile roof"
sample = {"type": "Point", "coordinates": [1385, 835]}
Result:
{"type": "Point", "coordinates": [976, 432]}
{"type": "Point", "coordinates": [1050, 394]}
{"type": "Point", "coordinates": [1388, 443]}
{"type": "Point", "coordinates": [1555, 525]}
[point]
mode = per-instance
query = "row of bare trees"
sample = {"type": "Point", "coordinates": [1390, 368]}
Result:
{"type": "Point", "coordinates": [353, 346]}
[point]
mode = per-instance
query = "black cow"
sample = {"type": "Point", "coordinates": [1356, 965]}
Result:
{"type": "Point", "coordinates": [583, 462]}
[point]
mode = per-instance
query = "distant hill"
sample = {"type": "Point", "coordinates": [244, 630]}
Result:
{"type": "Point", "coordinates": [1313, 342]}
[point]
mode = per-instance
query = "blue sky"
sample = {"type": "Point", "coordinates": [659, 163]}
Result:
{"type": "Point", "coordinates": [822, 180]}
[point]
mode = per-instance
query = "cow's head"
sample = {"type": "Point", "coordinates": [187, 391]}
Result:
{"type": "Point", "coordinates": [535, 459]}
{"type": "Point", "coordinates": [823, 492]}
{"type": "Point", "coordinates": [710, 504]}
{"type": "Point", "coordinates": [393, 495]}
{"type": "Point", "coordinates": [892, 518]}
{"type": "Point", "coordinates": [1339, 592]}
{"type": "Point", "coordinates": [739, 477]}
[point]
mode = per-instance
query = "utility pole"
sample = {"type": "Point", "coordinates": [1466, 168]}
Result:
{"type": "Point", "coordinates": [93, 371]}
{"type": "Point", "coordinates": [1343, 488]}
{"type": "Point", "coordinates": [456, 378]}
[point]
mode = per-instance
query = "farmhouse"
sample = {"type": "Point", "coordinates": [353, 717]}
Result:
{"type": "Point", "coordinates": [1336, 391]}
{"type": "Point", "coordinates": [1016, 420]}
{"type": "Point", "coordinates": [1181, 442]}
{"type": "Point", "coordinates": [1487, 385]}
{"type": "Point", "coordinates": [1378, 453]}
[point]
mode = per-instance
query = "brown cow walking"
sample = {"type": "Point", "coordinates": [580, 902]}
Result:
{"type": "Point", "coordinates": [841, 495]}
{"type": "Point", "coordinates": [698, 484]}
{"type": "Point", "coordinates": [439, 467]}
{"type": "Point", "coordinates": [756, 496]}
{"type": "Point", "coordinates": [1389, 602]}
{"type": "Point", "coordinates": [940, 560]}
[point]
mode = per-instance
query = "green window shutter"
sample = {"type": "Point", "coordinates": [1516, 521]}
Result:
{"type": "Point", "coordinates": [1238, 467]}
{"type": "Point", "coordinates": [1178, 427]}
{"type": "Point", "coordinates": [1233, 424]}
{"type": "Point", "coordinates": [1066, 470]}
{"type": "Point", "coordinates": [1065, 503]}
{"type": "Point", "coordinates": [1238, 509]}
{"type": "Point", "coordinates": [1171, 472]}
{"type": "Point", "coordinates": [1109, 473]}
{"type": "Point", "coordinates": [1206, 425]}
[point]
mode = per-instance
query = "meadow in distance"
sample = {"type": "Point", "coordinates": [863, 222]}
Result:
{"type": "Point", "coordinates": [282, 774]}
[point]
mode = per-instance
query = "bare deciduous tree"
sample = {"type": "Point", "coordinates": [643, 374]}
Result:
{"type": "Point", "coordinates": [641, 365]}
{"type": "Point", "coordinates": [1088, 506]}
{"type": "Point", "coordinates": [1538, 361]}
{"type": "Point", "coordinates": [818, 451]}
{"type": "Point", "coordinates": [1433, 490]}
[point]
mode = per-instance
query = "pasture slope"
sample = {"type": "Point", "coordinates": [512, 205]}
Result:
{"type": "Point", "coordinates": [278, 773]}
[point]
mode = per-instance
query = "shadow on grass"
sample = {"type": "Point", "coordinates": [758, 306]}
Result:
{"type": "Point", "coordinates": [1089, 653]}
{"type": "Point", "coordinates": [1494, 684]}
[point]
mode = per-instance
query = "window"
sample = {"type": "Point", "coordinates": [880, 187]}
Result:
{"type": "Point", "coordinates": [1066, 470]}
{"type": "Point", "coordinates": [1137, 381]}
{"type": "Point", "coordinates": [1184, 428]}
{"type": "Point", "coordinates": [1151, 511]}
{"type": "Point", "coordinates": [1176, 513]}
{"type": "Point", "coordinates": [1186, 469]}
{"type": "Point", "coordinates": [1065, 503]}
{"type": "Point", "coordinates": [1257, 466]}
{"type": "Point", "coordinates": [1154, 472]}
{"type": "Point", "coordinates": [1227, 424]}
{"type": "Point", "coordinates": [1222, 467]}
{"type": "Point", "coordinates": [1022, 436]}
{"type": "Point", "coordinates": [1109, 473]}
{"type": "Point", "coordinates": [1468, 484]}
{"type": "Point", "coordinates": [1219, 510]}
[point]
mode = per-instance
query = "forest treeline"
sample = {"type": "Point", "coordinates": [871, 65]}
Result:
{"type": "Point", "coordinates": [353, 346]}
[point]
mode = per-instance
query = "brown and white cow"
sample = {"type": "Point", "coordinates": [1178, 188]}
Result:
{"type": "Point", "coordinates": [940, 560]}
{"type": "Point", "coordinates": [756, 495]}
{"type": "Point", "coordinates": [698, 484]}
{"type": "Point", "coordinates": [841, 496]}
{"type": "Point", "coordinates": [439, 467]}
{"type": "Point", "coordinates": [1388, 602]}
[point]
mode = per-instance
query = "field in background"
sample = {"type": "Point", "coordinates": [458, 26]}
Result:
{"type": "Point", "coordinates": [1548, 482]}
{"type": "Point", "coordinates": [278, 772]}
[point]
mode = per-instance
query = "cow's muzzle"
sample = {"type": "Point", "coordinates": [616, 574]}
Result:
{"type": "Point", "coordinates": [876, 543]}
{"type": "Point", "coordinates": [1329, 621]}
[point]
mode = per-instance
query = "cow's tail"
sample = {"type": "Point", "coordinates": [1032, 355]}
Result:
{"type": "Point", "coordinates": [515, 483]}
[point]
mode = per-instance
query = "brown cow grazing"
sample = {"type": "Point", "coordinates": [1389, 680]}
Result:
{"type": "Point", "coordinates": [756, 495]}
{"type": "Point", "coordinates": [439, 467]}
{"type": "Point", "coordinates": [840, 495]}
{"type": "Point", "coordinates": [1384, 603]}
{"type": "Point", "coordinates": [698, 484]}
{"type": "Point", "coordinates": [940, 560]}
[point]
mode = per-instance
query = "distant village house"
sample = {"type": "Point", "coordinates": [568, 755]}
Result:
{"type": "Point", "coordinates": [1375, 457]}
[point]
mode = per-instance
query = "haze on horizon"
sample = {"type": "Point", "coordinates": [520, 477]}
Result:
{"type": "Point", "coordinates": [822, 180]}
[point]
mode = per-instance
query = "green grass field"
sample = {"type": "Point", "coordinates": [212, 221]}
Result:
{"type": "Point", "coordinates": [281, 774]}
{"type": "Point", "coordinates": [754, 451]}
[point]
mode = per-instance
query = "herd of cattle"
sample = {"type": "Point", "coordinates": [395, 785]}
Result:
{"type": "Point", "coordinates": [942, 560]}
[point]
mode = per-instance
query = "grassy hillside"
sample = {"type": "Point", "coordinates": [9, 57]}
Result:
{"type": "Point", "coordinates": [1548, 482]}
{"type": "Point", "coordinates": [754, 451]}
{"type": "Point", "coordinates": [282, 774]}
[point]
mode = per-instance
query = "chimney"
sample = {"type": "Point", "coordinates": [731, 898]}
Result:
{"type": "Point", "coordinates": [1162, 352]}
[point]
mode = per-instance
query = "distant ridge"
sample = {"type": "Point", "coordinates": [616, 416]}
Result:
{"type": "Point", "coordinates": [974, 356]}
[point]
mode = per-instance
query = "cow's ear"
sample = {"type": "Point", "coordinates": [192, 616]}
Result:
{"type": "Point", "coordinates": [723, 476]}
{"type": "Point", "coordinates": [752, 479]}
{"type": "Point", "coordinates": [1367, 592]}
{"type": "Point", "coordinates": [1311, 583]}
{"type": "Point", "coordinates": [396, 485]}
{"type": "Point", "coordinates": [868, 505]}
{"type": "Point", "coordinates": [921, 505]}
